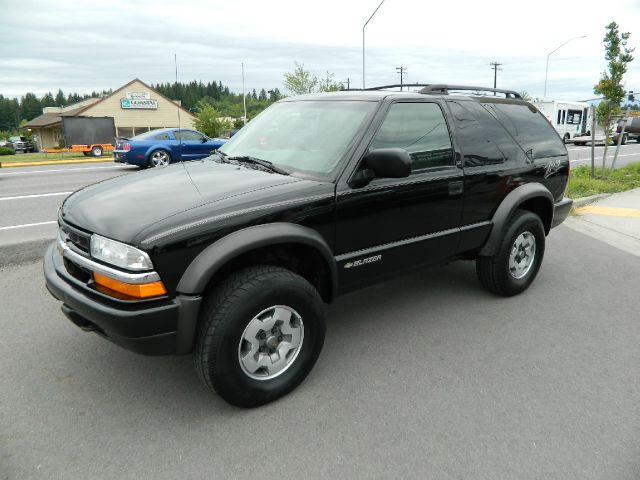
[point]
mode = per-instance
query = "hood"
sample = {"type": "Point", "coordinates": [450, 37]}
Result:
{"type": "Point", "coordinates": [121, 207]}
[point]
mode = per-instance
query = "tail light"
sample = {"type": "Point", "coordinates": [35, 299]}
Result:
{"type": "Point", "coordinates": [126, 147]}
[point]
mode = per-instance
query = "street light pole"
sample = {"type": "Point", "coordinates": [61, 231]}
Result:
{"type": "Point", "coordinates": [363, 27]}
{"type": "Point", "coordinates": [546, 72]}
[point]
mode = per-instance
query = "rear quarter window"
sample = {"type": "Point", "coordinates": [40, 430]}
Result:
{"type": "Point", "coordinates": [530, 129]}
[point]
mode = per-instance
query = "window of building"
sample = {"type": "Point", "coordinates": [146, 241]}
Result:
{"type": "Point", "coordinates": [421, 130]}
{"type": "Point", "coordinates": [139, 130]}
{"type": "Point", "coordinates": [126, 132]}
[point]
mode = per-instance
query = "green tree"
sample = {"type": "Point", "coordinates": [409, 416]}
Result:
{"type": "Point", "coordinates": [209, 120]}
{"type": "Point", "coordinates": [300, 81]}
{"type": "Point", "coordinates": [30, 107]}
{"type": "Point", "coordinates": [525, 96]}
{"type": "Point", "coordinates": [610, 86]}
{"type": "Point", "coordinates": [60, 99]}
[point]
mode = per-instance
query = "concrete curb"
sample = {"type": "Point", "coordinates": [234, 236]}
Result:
{"type": "Point", "coordinates": [54, 162]}
{"type": "Point", "coordinates": [581, 202]}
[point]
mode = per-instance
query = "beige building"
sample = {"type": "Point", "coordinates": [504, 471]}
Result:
{"type": "Point", "coordinates": [135, 108]}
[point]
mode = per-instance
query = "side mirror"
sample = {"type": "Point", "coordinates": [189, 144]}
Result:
{"type": "Point", "coordinates": [388, 162]}
{"type": "Point", "coordinates": [205, 139]}
{"type": "Point", "coordinates": [383, 163]}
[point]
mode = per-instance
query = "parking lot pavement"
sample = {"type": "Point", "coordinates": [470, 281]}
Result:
{"type": "Point", "coordinates": [614, 220]}
{"type": "Point", "coordinates": [425, 376]}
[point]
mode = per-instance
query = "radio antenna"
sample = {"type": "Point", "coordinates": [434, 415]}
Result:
{"type": "Point", "coordinates": [175, 61]}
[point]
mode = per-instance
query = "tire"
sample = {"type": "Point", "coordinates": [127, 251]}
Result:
{"type": "Point", "coordinates": [159, 158]}
{"type": "Point", "coordinates": [237, 310]}
{"type": "Point", "coordinates": [566, 138]}
{"type": "Point", "coordinates": [624, 140]}
{"type": "Point", "coordinates": [496, 273]}
{"type": "Point", "coordinates": [96, 151]}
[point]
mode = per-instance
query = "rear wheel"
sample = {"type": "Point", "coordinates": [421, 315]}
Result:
{"type": "Point", "coordinates": [96, 151]}
{"type": "Point", "coordinates": [624, 140]}
{"type": "Point", "coordinates": [261, 331]}
{"type": "Point", "coordinates": [566, 138]}
{"type": "Point", "coordinates": [159, 158]}
{"type": "Point", "coordinates": [516, 263]}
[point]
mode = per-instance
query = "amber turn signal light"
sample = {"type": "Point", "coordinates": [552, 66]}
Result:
{"type": "Point", "coordinates": [141, 290]}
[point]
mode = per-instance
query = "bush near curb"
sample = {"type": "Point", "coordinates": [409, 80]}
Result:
{"type": "Point", "coordinates": [619, 180]}
{"type": "Point", "coordinates": [7, 151]}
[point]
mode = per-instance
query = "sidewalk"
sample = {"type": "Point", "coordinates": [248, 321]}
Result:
{"type": "Point", "coordinates": [614, 220]}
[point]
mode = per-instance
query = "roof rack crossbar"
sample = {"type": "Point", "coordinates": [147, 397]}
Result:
{"type": "Point", "coordinates": [444, 90]}
{"type": "Point", "coordinates": [382, 87]}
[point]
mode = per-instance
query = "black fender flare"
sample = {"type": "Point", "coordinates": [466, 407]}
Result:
{"type": "Point", "coordinates": [211, 259]}
{"type": "Point", "coordinates": [510, 203]}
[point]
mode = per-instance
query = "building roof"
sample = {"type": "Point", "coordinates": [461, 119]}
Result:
{"type": "Point", "coordinates": [51, 118]}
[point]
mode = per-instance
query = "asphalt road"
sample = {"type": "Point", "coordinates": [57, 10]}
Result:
{"type": "Point", "coordinates": [425, 376]}
{"type": "Point", "coordinates": [30, 196]}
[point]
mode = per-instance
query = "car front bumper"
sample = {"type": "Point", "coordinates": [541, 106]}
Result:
{"type": "Point", "coordinates": [154, 327]}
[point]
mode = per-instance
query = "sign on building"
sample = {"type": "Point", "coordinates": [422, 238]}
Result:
{"type": "Point", "coordinates": [138, 96]}
{"type": "Point", "coordinates": [138, 103]}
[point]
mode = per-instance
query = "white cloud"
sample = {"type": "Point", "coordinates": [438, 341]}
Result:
{"type": "Point", "coordinates": [83, 46]}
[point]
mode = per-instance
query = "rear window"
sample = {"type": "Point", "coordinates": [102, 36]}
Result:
{"type": "Point", "coordinates": [531, 130]}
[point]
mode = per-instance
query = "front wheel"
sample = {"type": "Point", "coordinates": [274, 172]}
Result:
{"type": "Point", "coordinates": [516, 263]}
{"type": "Point", "coordinates": [261, 331]}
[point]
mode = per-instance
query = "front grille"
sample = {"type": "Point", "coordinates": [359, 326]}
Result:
{"type": "Point", "coordinates": [76, 237]}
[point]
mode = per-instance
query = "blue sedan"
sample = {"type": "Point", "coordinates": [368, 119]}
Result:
{"type": "Point", "coordinates": [164, 146]}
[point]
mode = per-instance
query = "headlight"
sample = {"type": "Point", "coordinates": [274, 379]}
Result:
{"type": "Point", "coordinates": [119, 254]}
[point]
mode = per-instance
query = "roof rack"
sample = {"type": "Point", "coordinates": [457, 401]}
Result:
{"type": "Point", "coordinates": [382, 87]}
{"type": "Point", "coordinates": [443, 89]}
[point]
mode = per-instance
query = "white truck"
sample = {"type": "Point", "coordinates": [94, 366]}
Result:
{"type": "Point", "coordinates": [570, 119]}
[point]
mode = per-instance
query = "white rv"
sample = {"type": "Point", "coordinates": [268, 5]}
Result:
{"type": "Point", "coordinates": [570, 119]}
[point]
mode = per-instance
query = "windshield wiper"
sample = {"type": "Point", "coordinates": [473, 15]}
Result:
{"type": "Point", "coordinates": [256, 161]}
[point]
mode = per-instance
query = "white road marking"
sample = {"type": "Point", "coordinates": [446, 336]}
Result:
{"type": "Point", "coordinates": [600, 159]}
{"type": "Point", "coordinates": [11, 227]}
{"type": "Point", "coordinates": [57, 170]}
{"type": "Point", "coordinates": [38, 195]}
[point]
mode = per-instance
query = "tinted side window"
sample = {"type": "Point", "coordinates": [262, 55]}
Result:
{"type": "Point", "coordinates": [476, 146]}
{"type": "Point", "coordinates": [532, 131]}
{"type": "Point", "coordinates": [421, 130]}
{"type": "Point", "coordinates": [187, 135]}
{"type": "Point", "coordinates": [162, 136]}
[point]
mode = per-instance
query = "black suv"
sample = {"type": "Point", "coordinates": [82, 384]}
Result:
{"type": "Point", "coordinates": [232, 257]}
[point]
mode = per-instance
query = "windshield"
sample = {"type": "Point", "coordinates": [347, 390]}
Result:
{"type": "Point", "coordinates": [304, 136]}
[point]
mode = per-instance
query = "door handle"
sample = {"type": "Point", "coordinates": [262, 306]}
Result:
{"type": "Point", "coordinates": [456, 188]}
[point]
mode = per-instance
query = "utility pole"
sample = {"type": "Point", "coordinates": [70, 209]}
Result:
{"type": "Point", "coordinates": [348, 82]}
{"type": "Point", "coordinates": [494, 66]}
{"type": "Point", "coordinates": [244, 97]}
{"type": "Point", "coordinates": [401, 71]}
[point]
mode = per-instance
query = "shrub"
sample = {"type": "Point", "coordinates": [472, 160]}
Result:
{"type": "Point", "coordinates": [7, 151]}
